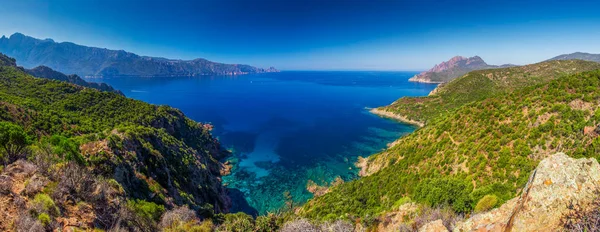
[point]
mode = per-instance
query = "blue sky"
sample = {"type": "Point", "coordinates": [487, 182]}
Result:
{"type": "Point", "coordinates": [317, 34]}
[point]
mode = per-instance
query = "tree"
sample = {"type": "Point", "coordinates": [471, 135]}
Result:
{"type": "Point", "coordinates": [13, 140]}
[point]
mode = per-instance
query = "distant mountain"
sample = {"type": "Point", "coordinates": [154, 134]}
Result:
{"type": "Point", "coordinates": [578, 56]}
{"type": "Point", "coordinates": [68, 57]}
{"type": "Point", "coordinates": [453, 68]}
{"type": "Point", "coordinates": [46, 72]}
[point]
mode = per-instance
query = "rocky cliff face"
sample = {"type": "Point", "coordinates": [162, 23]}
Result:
{"type": "Point", "coordinates": [90, 61]}
{"type": "Point", "coordinates": [453, 68]}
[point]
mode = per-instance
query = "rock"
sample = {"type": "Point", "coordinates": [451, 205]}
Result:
{"type": "Point", "coordinates": [434, 226]}
{"type": "Point", "coordinates": [393, 220]}
{"type": "Point", "coordinates": [558, 182]}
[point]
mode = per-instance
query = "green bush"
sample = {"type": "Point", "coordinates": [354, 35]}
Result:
{"type": "Point", "coordinates": [451, 192]}
{"type": "Point", "coordinates": [45, 203]}
{"type": "Point", "coordinates": [236, 222]}
{"type": "Point", "coordinates": [44, 219]}
{"type": "Point", "coordinates": [486, 203]}
{"type": "Point", "coordinates": [147, 210]}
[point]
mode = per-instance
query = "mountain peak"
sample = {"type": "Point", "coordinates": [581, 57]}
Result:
{"type": "Point", "coordinates": [453, 68]}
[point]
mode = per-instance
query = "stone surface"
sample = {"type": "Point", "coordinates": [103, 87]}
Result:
{"type": "Point", "coordinates": [557, 182]}
{"type": "Point", "coordinates": [434, 226]}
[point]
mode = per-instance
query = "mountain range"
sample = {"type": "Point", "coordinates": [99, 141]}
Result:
{"type": "Point", "coordinates": [86, 61]}
{"type": "Point", "coordinates": [459, 65]}
{"type": "Point", "coordinates": [578, 56]}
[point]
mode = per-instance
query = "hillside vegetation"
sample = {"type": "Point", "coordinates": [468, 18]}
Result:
{"type": "Point", "coordinates": [478, 85]}
{"type": "Point", "coordinates": [482, 143]}
{"type": "Point", "coordinates": [99, 158]}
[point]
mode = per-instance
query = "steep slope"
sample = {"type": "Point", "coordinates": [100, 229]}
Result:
{"type": "Point", "coordinates": [89, 61]}
{"type": "Point", "coordinates": [478, 85]}
{"type": "Point", "coordinates": [486, 147]}
{"type": "Point", "coordinates": [99, 155]}
{"type": "Point", "coordinates": [46, 72]}
{"type": "Point", "coordinates": [453, 68]}
{"type": "Point", "coordinates": [578, 56]}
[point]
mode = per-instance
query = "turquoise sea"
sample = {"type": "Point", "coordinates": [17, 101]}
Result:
{"type": "Point", "coordinates": [285, 128]}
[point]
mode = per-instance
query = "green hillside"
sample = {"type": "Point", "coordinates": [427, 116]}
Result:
{"type": "Point", "coordinates": [478, 85]}
{"type": "Point", "coordinates": [101, 152]}
{"type": "Point", "coordinates": [485, 143]}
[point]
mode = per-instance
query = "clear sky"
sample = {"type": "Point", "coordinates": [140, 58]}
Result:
{"type": "Point", "coordinates": [317, 34]}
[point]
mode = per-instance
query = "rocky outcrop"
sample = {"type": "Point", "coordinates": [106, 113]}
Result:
{"type": "Point", "coordinates": [557, 183]}
{"type": "Point", "coordinates": [451, 69]}
{"type": "Point", "coordinates": [434, 226]}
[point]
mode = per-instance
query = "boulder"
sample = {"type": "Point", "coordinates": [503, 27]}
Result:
{"type": "Point", "coordinates": [557, 183]}
{"type": "Point", "coordinates": [434, 226]}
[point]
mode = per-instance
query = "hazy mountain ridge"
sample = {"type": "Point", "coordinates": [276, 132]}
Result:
{"type": "Point", "coordinates": [578, 56]}
{"type": "Point", "coordinates": [453, 68]}
{"type": "Point", "coordinates": [68, 57]}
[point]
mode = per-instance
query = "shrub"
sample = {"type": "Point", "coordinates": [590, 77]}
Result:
{"type": "Point", "coordinates": [299, 225]}
{"type": "Point", "coordinates": [44, 219]}
{"type": "Point", "coordinates": [42, 203]}
{"type": "Point", "coordinates": [337, 226]}
{"type": "Point", "coordinates": [13, 140]}
{"type": "Point", "coordinates": [147, 210]}
{"type": "Point", "coordinates": [35, 185]}
{"type": "Point", "coordinates": [6, 183]}
{"type": "Point", "coordinates": [428, 214]}
{"type": "Point", "coordinates": [486, 203]}
{"type": "Point", "coordinates": [445, 191]}
{"type": "Point", "coordinates": [267, 223]}
{"type": "Point", "coordinates": [236, 222]}
{"type": "Point", "coordinates": [177, 217]}
{"type": "Point", "coordinates": [579, 219]}
{"type": "Point", "coordinates": [25, 222]}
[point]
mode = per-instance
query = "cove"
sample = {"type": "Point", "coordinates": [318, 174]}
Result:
{"type": "Point", "coordinates": [285, 128]}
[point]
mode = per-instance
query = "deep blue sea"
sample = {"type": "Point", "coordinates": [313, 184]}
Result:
{"type": "Point", "coordinates": [285, 128]}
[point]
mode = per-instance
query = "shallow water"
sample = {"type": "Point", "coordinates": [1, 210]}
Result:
{"type": "Point", "coordinates": [285, 128]}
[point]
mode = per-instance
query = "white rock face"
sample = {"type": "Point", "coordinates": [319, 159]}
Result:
{"type": "Point", "coordinates": [557, 182]}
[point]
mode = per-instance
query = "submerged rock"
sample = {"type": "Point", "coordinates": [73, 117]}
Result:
{"type": "Point", "coordinates": [557, 183]}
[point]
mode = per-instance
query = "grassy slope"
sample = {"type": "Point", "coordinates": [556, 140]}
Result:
{"type": "Point", "coordinates": [489, 145]}
{"type": "Point", "coordinates": [478, 85]}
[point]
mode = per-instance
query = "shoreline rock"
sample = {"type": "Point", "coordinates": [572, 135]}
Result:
{"type": "Point", "coordinates": [387, 114]}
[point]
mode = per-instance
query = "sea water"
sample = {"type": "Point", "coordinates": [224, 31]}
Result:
{"type": "Point", "coordinates": [285, 128]}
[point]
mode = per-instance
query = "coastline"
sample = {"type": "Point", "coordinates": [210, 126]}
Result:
{"type": "Point", "coordinates": [387, 114]}
{"type": "Point", "coordinates": [419, 80]}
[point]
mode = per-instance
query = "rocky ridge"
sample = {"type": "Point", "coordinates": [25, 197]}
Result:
{"type": "Point", "coordinates": [453, 68]}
